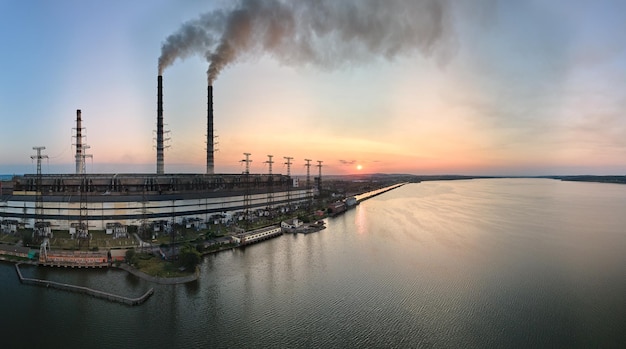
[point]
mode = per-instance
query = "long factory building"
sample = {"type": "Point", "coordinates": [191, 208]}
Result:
{"type": "Point", "coordinates": [133, 199]}
{"type": "Point", "coordinates": [59, 201]}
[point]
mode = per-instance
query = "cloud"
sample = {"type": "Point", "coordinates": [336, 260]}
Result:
{"type": "Point", "coordinates": [347, 162]}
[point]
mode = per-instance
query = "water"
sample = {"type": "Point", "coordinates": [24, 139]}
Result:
{"type": "Point", "coordinates": [481, 263]}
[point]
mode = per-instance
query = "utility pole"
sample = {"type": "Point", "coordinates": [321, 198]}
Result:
{"type": "Point", "coordinates": [308, 181]}
{"type": "Point", "coordinates": [143, 228]}
{"type": "Point", "coordinates": [270, 182]}
{"type": "Point", "coordinates": [289, 182]}
{"type": "Point", "coordinates": [247, 161]}
{"type": "Point", "coordinates": [288, 163]}
{"type": "Point", "coordinates": [82, 232]}
{"type": "Point", "coordinates": [319, 181]}
{"type": "Point", "coordinates": [246, 195]}
{"type": "Point", "coordinates": [84, 156]}
{"type": "Point", "coordinates": [38, 225]}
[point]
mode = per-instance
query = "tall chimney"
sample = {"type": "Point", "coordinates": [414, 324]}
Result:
{"type": "Point", "coordinates": [210, 163]}
{"type": "Point", "coordinates": [160, 125]}
{"type": "Point", "coordinates": [79, 143]}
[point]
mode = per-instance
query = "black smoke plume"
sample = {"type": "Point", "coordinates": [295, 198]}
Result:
{"type": "Point", "coordinates": [325, 33]}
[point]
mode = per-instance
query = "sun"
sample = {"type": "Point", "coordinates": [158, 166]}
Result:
{"type": "Point", "coordinates": [359, 167]}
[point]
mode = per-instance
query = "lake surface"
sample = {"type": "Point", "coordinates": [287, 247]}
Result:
{"type": "Point", "coordinates": [450, 264]}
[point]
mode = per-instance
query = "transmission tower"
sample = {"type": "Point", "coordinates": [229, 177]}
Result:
{"type": "Point", "coordinates": [82, 231]}
{"type": "Point", "coordinates": [289, 183]}
{"type": "Point", "coordinates": [308, 180]}
{"type": "Point", "coordinates": [172, 231]}
{"type": "Point", "coordinates": [246, 195]}
{"type": "Point", "coordinates": [38, 231]}
{"type": "Point", "coordinates": [85, 156]}
{"type": "Point", "coordinates": [270, 180]}
{"type": "Point", "coordinates": [247, 161]}
{"type": "Point", "coordinates": [319, 180]}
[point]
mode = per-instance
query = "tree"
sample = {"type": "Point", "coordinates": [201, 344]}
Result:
{"type": "Point", "coordinates": [130, 253]}
{"type": "Point", "coordinates": [200, 247]}
{"type": "Point", "coordinates": [27, 238]}
{"type": "Point", "coordinates": [189, 257]}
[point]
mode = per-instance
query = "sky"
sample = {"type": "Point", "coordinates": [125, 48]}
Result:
{"type": "Point", "coordinates": [486, 88]}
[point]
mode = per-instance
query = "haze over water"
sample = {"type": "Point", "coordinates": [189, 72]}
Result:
{"type": "Point", "coordinates": [478, 263]}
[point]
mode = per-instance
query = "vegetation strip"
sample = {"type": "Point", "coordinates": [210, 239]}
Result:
{"type": "Point", "coordinates": [85, 290]}
{"type": "Point", "coordinates": [159, 280]}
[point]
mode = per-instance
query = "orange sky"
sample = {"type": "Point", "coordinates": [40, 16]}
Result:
{"type": "Point", "coordinates": [505, 97]}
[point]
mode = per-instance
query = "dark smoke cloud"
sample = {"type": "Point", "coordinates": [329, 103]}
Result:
{"type": "Point", "coordinates": [325, 33]}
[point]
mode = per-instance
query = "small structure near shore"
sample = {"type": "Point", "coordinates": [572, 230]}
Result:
{"type": "Point", "coordinates": [336, 208]}
{"type": "Point", "coordinates": [80, 259]}
{"type": "Point", "coordinates": [16, 251]}
{"type": "Point", "coordinates": [291, 225]}
{"type": "Point", "coordinates": [307, 228]}
{"type": "Point", "coordinates": [257, 235]}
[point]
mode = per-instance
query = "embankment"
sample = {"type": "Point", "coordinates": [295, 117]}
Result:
{"type": "Point", "coordinates": [158, 280]}
{"type": "Point", "coordinates": [371, 194]}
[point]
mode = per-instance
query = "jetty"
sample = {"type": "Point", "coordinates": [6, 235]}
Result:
{"type": "Point", "coordinates": [84, 290]}
{"type": "Point", "coordinates": [371, 194]}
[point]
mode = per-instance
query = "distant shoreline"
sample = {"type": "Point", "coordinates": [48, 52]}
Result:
{"type": "Point", "coordinates": [590, 178]}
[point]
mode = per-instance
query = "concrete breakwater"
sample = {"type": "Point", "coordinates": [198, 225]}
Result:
{"type": "Point", "coordinates": [371, 194]}
{"type": "Point", "coordinates": [85, 290]}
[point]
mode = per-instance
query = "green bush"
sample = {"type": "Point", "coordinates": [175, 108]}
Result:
{"type": "Point", "coordinates": [27, 238]}
{"type": "Point", "coordinates": [189, 257]}
{"type": "Point", "coordinates": [130, 254]}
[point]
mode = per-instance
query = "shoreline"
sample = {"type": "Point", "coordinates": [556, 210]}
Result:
{"type": "Point", "coordinates": [159, 280]}
{"type": "Point", "coordinates": [193, 277]}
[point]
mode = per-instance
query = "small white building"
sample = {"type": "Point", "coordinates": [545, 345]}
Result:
{"type": "Point", "coordinates": [222, 218]}
{"type": "Point", "coordinates": [161, 226]}
{"type": "Point", "coordinates": [293, 224]}
{"type": "Point", "coordinates": [351, 201]}
{"type": "Point", "coordinates": [257, 235]}
{"type": "Point", "coordinates": [9, 226]}
{"type": "Point", "coordinates": [43, 229]}
{"type": "Point", "coordinates": [195, 223]}
{"type": "Point", "coordinates": [75, 227]}
{"type": "Point", "coordinates": [117, 230]}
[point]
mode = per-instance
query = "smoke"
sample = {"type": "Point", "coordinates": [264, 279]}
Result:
{"type": "Point", "coordinates": [324, 33]}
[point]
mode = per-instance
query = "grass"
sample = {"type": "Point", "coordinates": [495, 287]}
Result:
{"type": "Point", "coordinates": [99, 239]}
{"type": "Point", "coordinates": [155, 266]}
{"type": "Point", "coordinates": [16, 258]}
{"type": "Point", "coordinates": [9, 238]}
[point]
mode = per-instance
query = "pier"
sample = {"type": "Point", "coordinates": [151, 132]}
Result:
{"type": "Point", "coordinates": [371, 194]}
{"type": "Point", "coordinates": [85, 290]}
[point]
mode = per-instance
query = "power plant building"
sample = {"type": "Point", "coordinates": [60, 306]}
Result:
{"type": "Point", "coordinates": [133, 199]}
{"type": "Point", "coordinates": [67, 201]}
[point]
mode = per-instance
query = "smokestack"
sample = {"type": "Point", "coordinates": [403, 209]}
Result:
{"type": "Point", "coordinates": [79, 143]}
{"type": "Point", "coordinates": [209, 133]}
{"type": "Point", "coordinates": [160, 125]}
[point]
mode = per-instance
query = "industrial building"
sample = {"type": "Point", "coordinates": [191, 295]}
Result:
{"type": "Point", "coordinates": [82, 201]}
{"type": "Point", "coordinates": [130, 199]}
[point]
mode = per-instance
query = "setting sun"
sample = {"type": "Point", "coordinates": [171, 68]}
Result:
{"type": "Point", "coordinates": [359, 167]}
